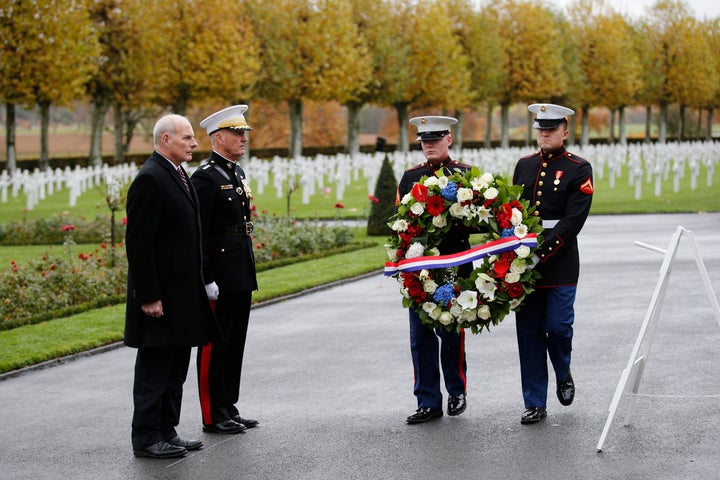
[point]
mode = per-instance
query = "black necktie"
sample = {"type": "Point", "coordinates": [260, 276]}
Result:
{"type": "Point", "coordinates": [184, 178]}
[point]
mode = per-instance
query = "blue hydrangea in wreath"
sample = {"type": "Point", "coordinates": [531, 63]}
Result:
{"type": "Point", "coordinates": [502, 272]}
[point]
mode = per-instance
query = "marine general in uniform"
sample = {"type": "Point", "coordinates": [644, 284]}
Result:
{"type": "Point", "coordinates": [560, 186]}
{"type": "Point", "coordinates": [228, 268]}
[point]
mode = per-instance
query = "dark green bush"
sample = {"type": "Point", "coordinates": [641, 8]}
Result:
{"type": "Point", "coordinates": [383, 206]}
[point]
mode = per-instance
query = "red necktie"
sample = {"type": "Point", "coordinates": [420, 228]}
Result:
{"type": "Point", "coordinates": [184, 178]}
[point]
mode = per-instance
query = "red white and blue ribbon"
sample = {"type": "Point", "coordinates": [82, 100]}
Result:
{"type": "Point", "coordinates": [454, 259]}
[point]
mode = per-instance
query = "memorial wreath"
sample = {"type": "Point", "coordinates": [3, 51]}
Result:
{"type": "Point", "coordinates": [502, 272]}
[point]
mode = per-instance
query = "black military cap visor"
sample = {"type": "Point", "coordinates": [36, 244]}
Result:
{"type": "Point", "coordinates": [550, 124]}
{"type": "Point", "coordinates": [432, 136]}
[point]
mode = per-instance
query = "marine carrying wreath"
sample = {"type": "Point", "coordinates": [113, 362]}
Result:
{"type": "Point", "coordinates": [502, 275]}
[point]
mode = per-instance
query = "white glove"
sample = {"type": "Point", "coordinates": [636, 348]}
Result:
{"type": "Point", "coordinates": [212, 291]}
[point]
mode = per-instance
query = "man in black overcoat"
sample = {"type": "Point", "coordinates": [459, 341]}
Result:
{"type": "Point", "coordinates": [167, 309]}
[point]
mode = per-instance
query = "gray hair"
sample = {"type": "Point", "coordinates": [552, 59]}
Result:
{"type": "Point", "coordinates": [167, 124]}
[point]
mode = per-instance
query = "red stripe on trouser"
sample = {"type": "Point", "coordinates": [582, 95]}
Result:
{"type": "Point", "coordinates": [461, 359]}
{"type": "Point", "coordinates": [204, 384]}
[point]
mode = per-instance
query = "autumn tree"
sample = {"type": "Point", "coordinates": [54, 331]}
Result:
{"type": "Point", "coordinates": [201, 51]}
{"type": "Point", "coordinates": [713, 29]}
{"type": "Point", "coordinates": [39, 40]}
{"type": "Point", "coordinates": [427, 68]}
{"type": "Point", "coordinates": [672, 65]}
{"type": "Point", "coordinates": [310, 51]}
{"type": "Point", "coordinates": [533, 68]}
{"type": "Point", "coordinates": [480, 39]}
{"type": "Point", "coordinates": [610, 71]}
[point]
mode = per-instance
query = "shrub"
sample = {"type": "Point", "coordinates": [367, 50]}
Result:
{"type": "Point", "coordinates": [49, 231]}
{"type": "Point", "coordinates": [383, 206]}
{"type": "Point", "coordinates": [55, 286]}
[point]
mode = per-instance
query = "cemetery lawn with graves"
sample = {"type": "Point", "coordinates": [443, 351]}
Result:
{"type": "Point", "coordinates": [94, 327]}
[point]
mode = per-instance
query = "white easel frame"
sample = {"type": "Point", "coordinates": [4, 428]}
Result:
{"type": "Point", "coordinates": [632, 375]}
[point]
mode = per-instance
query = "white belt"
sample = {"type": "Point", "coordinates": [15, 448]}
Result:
{"type": "Point", "coordinates": [549, 223]}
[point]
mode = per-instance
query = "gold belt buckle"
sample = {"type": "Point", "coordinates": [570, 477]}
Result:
{"type": "Point", "coordinates": [249, 227]}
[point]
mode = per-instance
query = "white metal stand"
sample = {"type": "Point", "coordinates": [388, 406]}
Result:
{"type": "Point", "coordinates": [632, 375]}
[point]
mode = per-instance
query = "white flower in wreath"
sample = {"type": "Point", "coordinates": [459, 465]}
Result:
{"type": "Point", "coordinates": [446, 318]}
{"type": "Point", "coordinates": [434, 252]}
{"type": "Point", "coordinates": [400, 225]}
{"type": "Point", "coordinates": [468, 315]}
{"type": "Point", "coordinates": [432, 310]}
{"type": "Point", "coordinates": [430, 286]}
{"type": "Point", "coordinates": [518, 266]}
{"type": "Point", "coordinates": [455, 310]}
{"type": "Point", "coordinates": [467, 299]}
{"type": "Point", "coordinates": [415, 250]}
{"type": "Point", "coordinates": [483, 214]}
{"type": "Point", "coordinates": [484, 312]}
{"type": "Point", "coordinates": [407, 198]}
{"type": "Point", "coordinates": [464, 194]}
{"type": "Point", "coordinates": [486, 286]}
{"type": "Point", "coordinates": [439, 221]}
{"type": "Point", "coordinates": [442, 182]}
{"type": "Point", "coordinates": [516, 217]}
{"type": "Point", "coordinates": [458, 211]}
{"type": "Point", "coordinates": [512, 277]}
{"type": "Point", "coordinates": [521, 231]}
{"type": "Point", "coordinates": [514, 303]}
{"type": "Point", "coordinates": [391, 253]}
{"type": "Point", "coordinates": [483, 181]}
{"type": "Point", "coordinates": [431, 182]}
{"type": "Point", "coordinates": [417, 208]}
{"type": "Point", "coordinates": [424, 274]}
{"type": "Point", "coordinates": [523, 251]}
{"type": "Point", "coordinates": [491, 193]}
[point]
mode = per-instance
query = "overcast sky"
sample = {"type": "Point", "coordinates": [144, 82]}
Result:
{"type": "Point", "coordinates": [637, 8]}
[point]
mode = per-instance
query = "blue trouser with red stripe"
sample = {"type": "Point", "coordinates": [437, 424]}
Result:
{"type": "Point", "coordinates": [544, 329]}
{"type": "Point", "coordinates": [430, 349]}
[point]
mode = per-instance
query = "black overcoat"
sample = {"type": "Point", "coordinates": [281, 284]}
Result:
{"type": "Point", "coordinates": [163, 244]}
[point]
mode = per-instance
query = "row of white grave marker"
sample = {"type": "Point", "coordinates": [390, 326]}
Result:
{"type": "Point", "coordinates": [650, 164]}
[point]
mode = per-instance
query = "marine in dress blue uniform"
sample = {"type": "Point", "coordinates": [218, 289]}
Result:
{"type": "Point", "coordinates": [228, 268]}
{"type": "Point", "coordinates": [560, 186]}
{"type": "Point", "coordinates": [433, 349]}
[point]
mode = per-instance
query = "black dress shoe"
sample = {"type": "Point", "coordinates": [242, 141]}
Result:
{"type": "Point", "coordinates": [423, 415]}
{"type": "Point", "coordinates": [456, 404]}
{"type": "Point", "coordinates": [566, 390]}
{"type": "Point", "coordinates": [185, 443]}
{"type": "Point", "coordinates": [228, 426]}
{"type": "Point", "coordinates": [533, 415]}
{"type": "Point", "coordinates": [248, 422]}
{"type": "Point", "coordinates": [161, 449]}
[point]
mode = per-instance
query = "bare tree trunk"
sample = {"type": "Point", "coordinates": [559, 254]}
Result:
{"type": "Point", "coordinates": [11, 165]}
{"type": "Point", "coordinates": [119, 152]}
{"type": "Point", "coordinates": [572, 128]}
{"type": "Point", "coordinates": [505, 127]}
{"type": "Point", "coordinates": [99, 107]}
{"type": "Point", "coordinates": [353, 128]}
{"type": "Point", "coordinates": [585, 129]}
{"type": "Point", "coordinates": [708, 128]}
{"type": "Point", "coordinates": [611, 128]}
{"type": "Point", "coordinates": [488, 126]}
{"type": "Point", "coordinates": [648, 124]}
{"type": "Point", "coordinates": [44, 135]}
{"type": "Point", "coordinates": [530, 119]}
{"type": "Point", "coordinates": [295, 128]}
{"type": "Point", "coordinates": [621, 127]}
{"type": "Point", "coordinates": [402, 116]}
{"type": "Point", "coordinates": [662, 134]}
{"type": "Point", "coordinates": [458, 137]}
{"type": "Point", "coordinates": [681, 123]}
